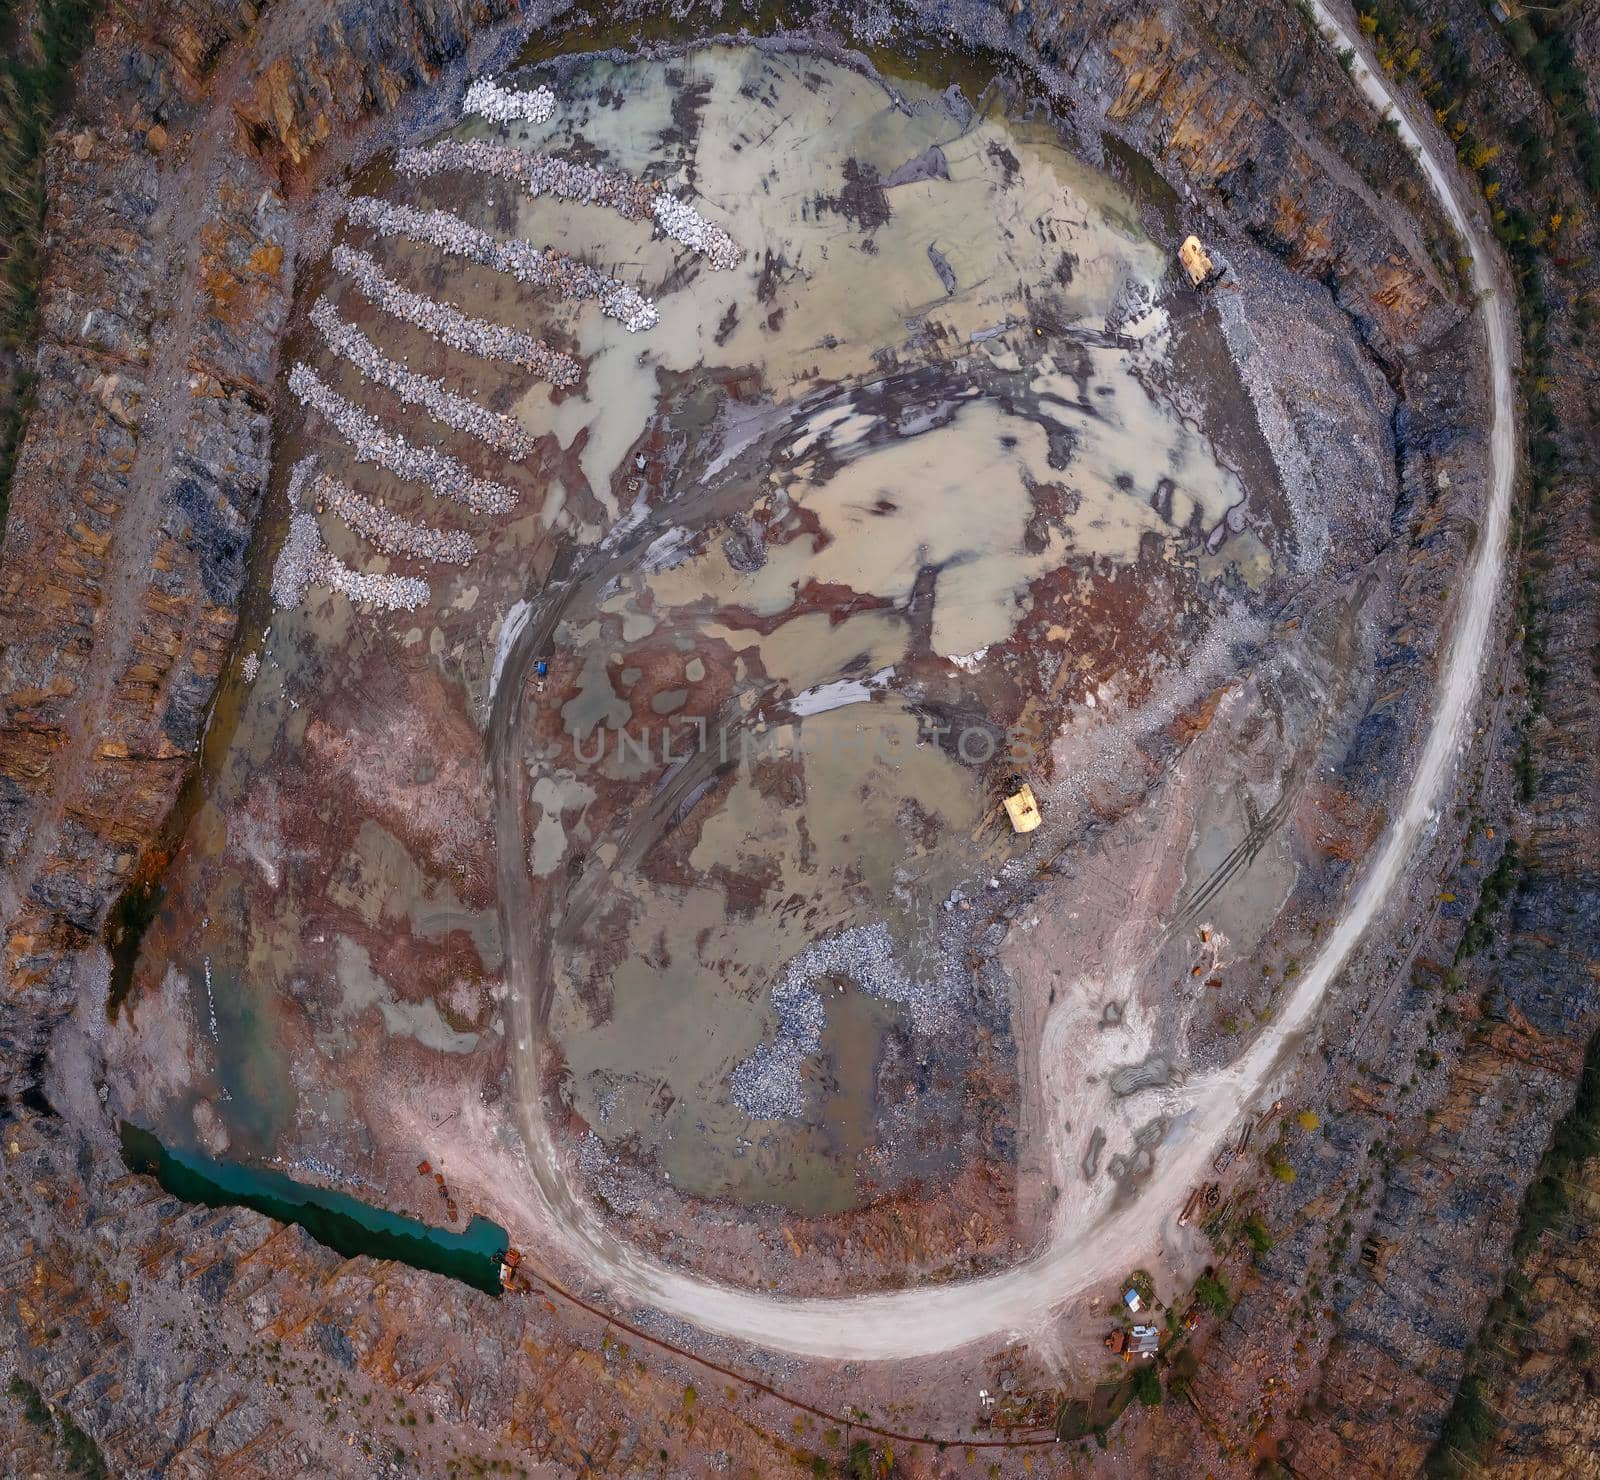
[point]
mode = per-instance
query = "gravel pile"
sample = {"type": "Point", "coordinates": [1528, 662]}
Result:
{"type": "Point", "coordinates": [538, 267]}
{"type": "Point", "coordinates": [392, 593]}
{"type": "Point", "coordinates": [685, 224]}
{"type": "Point", "coordinates": [452, 327]}
{"type": "Point", "coordinates": [766, 1086]}
{"type": "Point", "coordinates": [538, 174]}
{"type": "Point", "coordinates": [866, 956]}
{"type": "Point", "coordinates": [488, 99]}
{"type": "Point", "coordinates": [305, 561]}
{"type": "Point", "coordinates": [389, 532]}
{"type": "Point", "coordinates": [372, 444]}
{"type": "Point", "coordinates": [598, 1165]}
{"type": "Point", "coordinates": [544, 174]}
{"type": "Point", "coordinates": [300, 561]}
{"type": "Point", "coordinates": [349, 343]}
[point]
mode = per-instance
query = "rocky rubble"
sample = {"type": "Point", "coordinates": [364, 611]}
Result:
{"type": "Point", "coordinates": [452, 327]}
{"type": "Point", "coordinates": [544, 174]}
{"type": "Point", "coordinates": [538, 267]}
{"type": "Point", "coordinates": [371, 444]}
{"type": "Point", "coordinates": [686, 225]}
{"type": "Point", "coordinates": [389, 532]}
{"type": "Point", "coordinates": [304, 561]}
{"type": "Point", "coordinates": [488, 99]}
{"type": "Point", "coordinates": [349, 343]}
{"type": "Point", "coordinates": [766, 1084]}
{"type": "Point", "coordinates": [538, 174]}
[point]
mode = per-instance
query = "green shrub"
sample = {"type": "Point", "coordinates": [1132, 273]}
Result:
{"type": "Point", "coordinates": [1256, 1234]}
{"type": "Point", "coordinates": [1211, 1294]}
{"type": "Point", "coordinates": [33, 1406]}
{"type": "Point", "coordinates": [82, 1453]}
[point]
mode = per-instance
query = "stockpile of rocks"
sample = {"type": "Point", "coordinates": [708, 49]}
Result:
{"type": "Point", "coordinates": [349, 343]}
{"type": "Point", "coordinates": [392, 593]}
{"type": "Point", "coordinates": [488, 99]}
{"type": "Point", "coordinates": [305, 561]}
{"type": "Point", "coordinates": [544, 174]}
{"type": "Point", "coordinates": [538, 174]}
{"type": "Point", "coordinates": [452, 327]}
{"type": "Point", "coordinates": [766, 1085]}
{"type": "Point", "coordinates": [389, 532]}
{"type": "Point", "coordinates": [538, 267]}
{"type": "Point", "coordinates": [383, 449]}
{"type": "Point", "coordinates": [685, 224]}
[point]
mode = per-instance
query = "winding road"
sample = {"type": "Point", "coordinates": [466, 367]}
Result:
{"type": "Point", "coordinates": [927, 1321]}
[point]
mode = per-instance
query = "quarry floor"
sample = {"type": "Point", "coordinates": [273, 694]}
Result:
{"type": "Point", "coordinates": [357, 967]}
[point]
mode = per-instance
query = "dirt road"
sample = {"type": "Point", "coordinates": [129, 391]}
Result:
{"type": "Point", "coordinates": [922, 1322]}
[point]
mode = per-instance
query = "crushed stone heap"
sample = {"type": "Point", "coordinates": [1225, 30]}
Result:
{"type": "Point", "coordinates": [371, 444]}
{"type": "Point", "coordinates": [488, 99]}
{"type": "Point", "coordinates": [538, 267]}
{"type": "Point", "coordinates": [452, 327]}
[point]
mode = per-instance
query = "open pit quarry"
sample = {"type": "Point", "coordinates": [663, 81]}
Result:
{"type": "Point", "coordinates": [544, 549]}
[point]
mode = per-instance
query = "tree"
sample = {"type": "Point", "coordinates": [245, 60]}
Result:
{"type": "Point", "coordinates": [1256, 1232]}
{"type": "Point", "coordinates": [1147, 1385]}
{"type": "Point", "coordinates": [1212, 1295]}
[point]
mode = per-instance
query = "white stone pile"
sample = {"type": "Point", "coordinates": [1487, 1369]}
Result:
{"type": "Point", "coordinates": [538, 174]}
{"type": "Point", "coordinates": [305, 561]}
{"type": "Point", "coordinates": [766, 1085]}
{"type": "Point", "coordinates": [300, 561]}
{"type": "Point", "coordinates": [389, 532]}
{"type": "Point", "coordinates": [392, 593]}
{"type": "Point", "coordinates": [686, 225]}
{"type": "Point", "coordinates": [538, 267]}
{"type": "Point", "coordinates": [488, 99]}
{"type": "Point", "coordinates": [452, 327]}
{"type": "Point", "coordinates": [544, 174]}
{"type": "Point", "coordinates": [349, 343]}
{"type": "Point", "coordinates": [372, 444]}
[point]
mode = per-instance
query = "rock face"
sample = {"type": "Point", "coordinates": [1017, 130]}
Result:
{"type": "Point", "coordinates": [1343, 205]}
{"type": "Point", "coordinates": [135, 495]}
{"type": "Point", "coordinates": [143, 469]}
{"type": "Point", "coordinates": [358, 59]}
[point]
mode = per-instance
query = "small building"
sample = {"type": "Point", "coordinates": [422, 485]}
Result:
{"type": "Point", "coordinates": [1144, 1341]}
{"type": "Point", "coordinates": [1023, 810]}
{"type": "Point", "coordinates": [1116, 1341]}
{"type": "Point", "coordinates": [1196, 262]}
{"type": "Point", "coordinates": [1133, 1302]}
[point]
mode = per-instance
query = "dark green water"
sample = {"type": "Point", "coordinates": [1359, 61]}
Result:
{"type": "Point", "coordinates": [341, 1222]}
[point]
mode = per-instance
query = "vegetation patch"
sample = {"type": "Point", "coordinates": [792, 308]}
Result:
{"type": "Point", "coordinates": [35, 86]}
